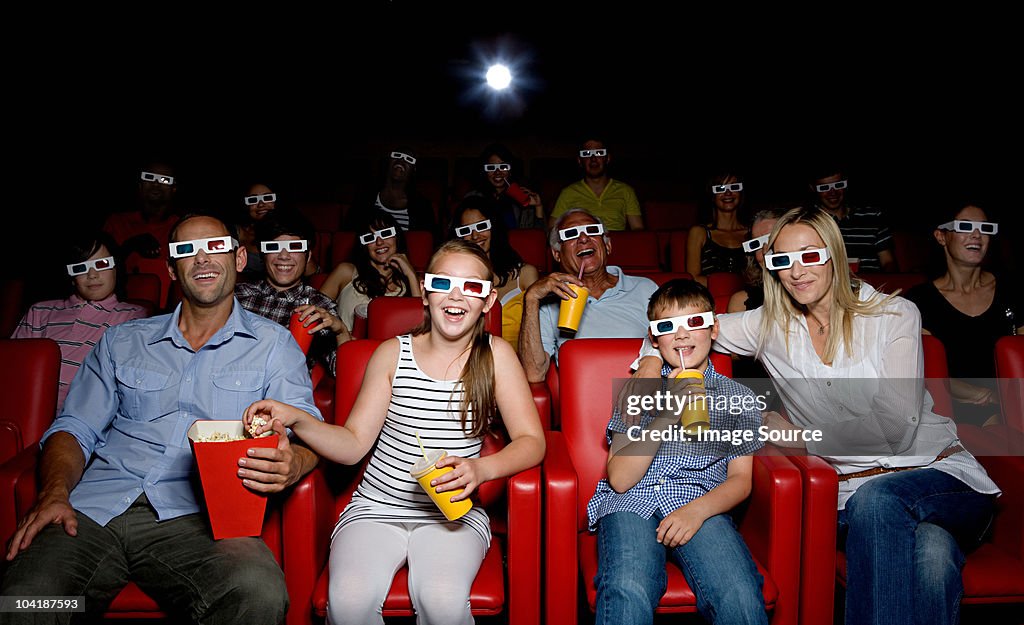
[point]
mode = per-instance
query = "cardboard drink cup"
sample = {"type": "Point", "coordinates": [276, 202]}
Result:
{"type": "Point", "coordinates": [234, 510]}
{"type": "Point", "coordinates": [695, 409]}
{"type": "Point", "coordinates": [300, 332]}
{"type": "Point", "coordinates": [424, 470]}
{"type": "Point", "coordinates": [516, 192]}
{"type": "Point", "coordinates": [571, 310]}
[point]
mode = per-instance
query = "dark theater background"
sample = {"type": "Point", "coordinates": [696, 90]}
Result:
{"type": "Point", "coordinates": [920, 116]}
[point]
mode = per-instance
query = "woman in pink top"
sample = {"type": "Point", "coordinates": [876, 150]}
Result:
{"type": "Point", "coordinates": [77, 323]}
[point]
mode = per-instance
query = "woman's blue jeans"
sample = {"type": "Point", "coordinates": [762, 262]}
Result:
{"type": "Point", "coordinates": [716, 563]}
{"type": "Point", "coordinates": [905, 537]}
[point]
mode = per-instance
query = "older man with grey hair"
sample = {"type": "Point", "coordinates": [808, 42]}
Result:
{"type": "Point", "coordinates": [616, 306]}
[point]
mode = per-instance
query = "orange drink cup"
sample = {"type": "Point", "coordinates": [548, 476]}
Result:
{"type": "Point", "coordinates": [695, 410]}
{"type": "Point", "coordinates": [234, 510]}
{"type": "Point", "coordinates": [571, 310]}
{"type": "Point", "coordinates": [424, 471]}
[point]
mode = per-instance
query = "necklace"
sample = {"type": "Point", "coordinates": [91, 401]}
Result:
{"type": "Point", "coordinates": [821, 328]}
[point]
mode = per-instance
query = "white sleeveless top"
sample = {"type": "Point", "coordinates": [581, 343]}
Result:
{"type": "Point", "coordinates": [430, 407]}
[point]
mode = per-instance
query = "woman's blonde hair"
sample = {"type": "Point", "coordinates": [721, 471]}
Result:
{"type": "Point", "coordinates": [781, 310]}
{"type": "Point", "coordinates": [479, 408]}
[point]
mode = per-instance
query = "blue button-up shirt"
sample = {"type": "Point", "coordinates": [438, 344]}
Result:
{"type": "Point", "coordinates": [683, 471]}
{"type": "Point", "coordinates": [141, 388]}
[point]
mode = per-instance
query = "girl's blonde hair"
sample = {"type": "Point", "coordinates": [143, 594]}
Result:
{"type": "Point", "coordinates": [781, 310]}
{"type": "Point", "coordinates": [479, 408]}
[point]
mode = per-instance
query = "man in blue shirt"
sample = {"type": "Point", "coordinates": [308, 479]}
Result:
{"type": "Point", "coordinates": [116, 500]}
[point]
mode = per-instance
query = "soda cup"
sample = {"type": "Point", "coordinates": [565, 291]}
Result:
{"type": "Point", "coordinates": [516, 192]}
{"type": "Point", "coordinates": [695, 409]}
{"type": "Point", "coordinates": [424, 470]}
{"type": "Point", "coordinates": [300, 332]}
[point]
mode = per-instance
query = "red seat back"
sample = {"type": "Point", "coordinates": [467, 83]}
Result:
{"type": "Point", "coordinates": [390, 316]}
{"type": "Point", "coordinates": [420, 247]}
{"type": "Point", "coordinates": [587, 369]}
{"type": "Point", "coordinates": [677, 250]}
{"type": "Point", "coordinates": [532, 245]}
{"type": "Point", "coordinates": [144, 289]}
{"type": "Point", "coordinates": [635, 250]}
{"type": "Point", "coordinates": [29, 371]}
{"type": "Point", "coordinates": [722, 285]}
{"type": "Point", "coordinates": [1010, 370]}
{"type": "Point", "coordinates": [342, 245]}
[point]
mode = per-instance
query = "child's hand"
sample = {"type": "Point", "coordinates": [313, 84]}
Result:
{"type": "Point", "coordinates": [267, 410]}
{"type": "Point", "coordinates": [465, 474]}
{"type": "Point", "coordinates": [679, 527]}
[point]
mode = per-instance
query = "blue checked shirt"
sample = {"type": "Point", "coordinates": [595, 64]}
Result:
{"type": "Point", "coordinates": [141, 388]}
{"type": "Point", "coordinates": [681, 471]}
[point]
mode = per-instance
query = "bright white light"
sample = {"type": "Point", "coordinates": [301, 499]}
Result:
{"type": "Point", "coordinates": [498, 77]}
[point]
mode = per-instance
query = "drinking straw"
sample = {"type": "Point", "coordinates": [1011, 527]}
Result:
{"type": "Point", "coordinates": [580, 277]}
{"type": "Point", "coordinates": [424, 451]}
{"type": "Point", "coordinates": [680, 350]}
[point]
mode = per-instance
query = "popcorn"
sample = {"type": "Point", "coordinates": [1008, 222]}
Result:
{"type": "Point", "coordinates": [218, 437]}
{"type": "Point", "coordinates": [257, 423]}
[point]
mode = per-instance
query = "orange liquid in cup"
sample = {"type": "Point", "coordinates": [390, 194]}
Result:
{"type": "Point", "coordinates": [424, 471]}
{"type": "Point", "coordinates": [571, 310]}
{"type": "Point", "coordinates": [301, 333]}
{"type": "Point", "coordinates": [695, 409]}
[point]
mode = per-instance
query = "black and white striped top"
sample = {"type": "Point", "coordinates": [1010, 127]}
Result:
{"type": "Point", "coordinates": [430, 407]}
{"type": "Point", "coordinates": [401, 215]}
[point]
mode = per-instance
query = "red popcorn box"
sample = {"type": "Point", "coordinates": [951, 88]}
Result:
{"type": "Point", "coordinates": [234, 509]}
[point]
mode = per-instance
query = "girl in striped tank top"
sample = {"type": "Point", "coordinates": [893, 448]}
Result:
{"type": "Point", "coordinates": [447, 381]}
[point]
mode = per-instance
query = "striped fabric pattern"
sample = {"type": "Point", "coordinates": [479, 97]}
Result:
{"type": "Point", "coordinates": [77, 326]}
{"type": "Point", "coordinates": [419, 404]}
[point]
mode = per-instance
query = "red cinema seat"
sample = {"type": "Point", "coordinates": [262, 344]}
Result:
{"type": "Point", "coordinates": [390, 316]}
{"type": "Point", "coordinates": [18, 484]}
{"type": "Point", "coordinates": [769, 520]}
{"type": "Point", "coordinates": [722, 285]}
{"type": "Point", "coordinates": [1010, 371]}
{"type": "Point", "coordinates": [143, 289]}
{"type": "Point", "coordinates": [532, 245]}
{"type": "Point", "coordinates": [508, 582]}
{"type": "Point", "coordinates": [420, 247]}
{"type": "Point", "coordinates": [635, 250]}
{"type": "Point", "coordinates": [889, 282]}
{"type": "Point", "coordinates": [29, 374]}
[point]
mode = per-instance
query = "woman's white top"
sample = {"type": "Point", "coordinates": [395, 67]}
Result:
{"type": "Point", "coordinates": [871, 406]}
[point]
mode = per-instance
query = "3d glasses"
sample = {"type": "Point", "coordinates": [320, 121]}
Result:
{"type": "Point", "coordinates": [697, 321]}
{"type": "Point", "coordinates": [468, 229]}
{"type": "Point", "coordinates": [404, 157]}
{"type": "Point", "coordinates": [213, 245]}
{"type": "Point", "coordinates": [373, 235]}
{"type": "Point", "coordinates": [274, 247]}
{"type": "Point", "coordinates": [807, 258]}
{"type": "Point", "coordinates": [838, 185]}
{"type": "Point", "coordinates": [966, 225]}
{"type": "Point", "coordinates": [591, 230]}
{"type": "Point", "coordinates": [148, 176]}
{"type": "Point", "coordinates": [489, 167]}
{"type": "Point", "coordinates": [589, 153]}
{"type": "Point", "coordinates": [753, 245]}
{"type": "Point", "coordinates": [472, 287]}
{"type": "Point", "coordinates": [718, 189]}
{"type": "Point", "coordinates": [100, 264]}
{"type": "Point", "coordinates": [266, 198]}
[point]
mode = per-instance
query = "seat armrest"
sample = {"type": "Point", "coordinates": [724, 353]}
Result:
{"type": "Point", "coordinates": [308, 513]}
{"type": "Point", "coordinates": [542, 398]}
{"type": "Point", "coordinates": [1008, 527]}
{"type": "Point", "coordinates": [561, 527]}
{"type": "Point", "coordinates": [524, 540]}
{"type": "Point", "coordinates": [17, 489]}
{"type": "Point", "coordinates": [771, 528]}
